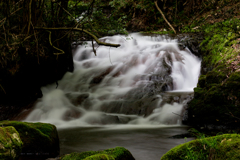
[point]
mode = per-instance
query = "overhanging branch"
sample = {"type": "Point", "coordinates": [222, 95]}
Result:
{"type": "Point", "coordinates": [164, 17]}
{"type": "Point", "coordinates": [79, 30]}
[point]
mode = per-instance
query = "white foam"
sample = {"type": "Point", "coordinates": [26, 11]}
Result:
{"type": "Point", "coordinates": [122, 69]}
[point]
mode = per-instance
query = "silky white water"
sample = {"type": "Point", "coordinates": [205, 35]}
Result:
{"type": "Point", "coordinates": [121, 86]}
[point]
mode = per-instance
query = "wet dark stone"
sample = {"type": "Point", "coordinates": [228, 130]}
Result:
{"type": "Point", "coordinates": [77, 98]}
{"type": "Point", "coordinates": [22, 87]}
{"type": "Point", "coordinates": [98, 79]}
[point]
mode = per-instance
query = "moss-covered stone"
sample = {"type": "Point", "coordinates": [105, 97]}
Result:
{"type": "Point", "coordinates": [37, 138]}
{"type": "Point", "coordinates": [118, 153]}
{"type": "Point", "coordinates": [100, 157]}
{"type": "Point", "coordinates": [10, 143]}
{"type": "Point", "coordinates": [217, 96]}
{"type": "Point", "coordinates": [218, 147]}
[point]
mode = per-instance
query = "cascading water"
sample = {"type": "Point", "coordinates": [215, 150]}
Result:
{"type": "Point", "coordinates": [126, 85]}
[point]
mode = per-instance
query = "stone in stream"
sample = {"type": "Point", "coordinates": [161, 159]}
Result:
{"type": "Point", "coordinates": [37, 138]}
{"type": "Point", "coordinates": [118, 153]}
{"type": "Point", "coordinates": [224, 146]}
{"type": "Point", "coordinates": [10, 143]}
{"type": "Point", "coordinates": [77, 98]}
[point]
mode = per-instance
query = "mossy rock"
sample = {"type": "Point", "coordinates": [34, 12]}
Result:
{"type": "Point", "coordinates": [218, 148]}
{"type": "Point", "coordinates": [100, 157]}
{"type": "Point", "coordinates": [118, 153]}
{"type": "Point", "coordinates": [10, 143]}
{"type": "Point", "coordinates": [37, 138]}
{"type": "Point", "coordinates": [216, 99]}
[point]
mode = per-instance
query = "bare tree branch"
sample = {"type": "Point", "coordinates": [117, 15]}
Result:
{"type": "Point", "coordinates": [164, 17]}
{"type": "Point", "coordinates": [79, 30]}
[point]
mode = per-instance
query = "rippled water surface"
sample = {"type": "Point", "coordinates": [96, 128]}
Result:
{"type": "Point", "coordinates": [144, 144]}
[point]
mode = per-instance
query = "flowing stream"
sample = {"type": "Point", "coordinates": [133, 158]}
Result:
{"type": "Point", "coordinates": [135, 93]}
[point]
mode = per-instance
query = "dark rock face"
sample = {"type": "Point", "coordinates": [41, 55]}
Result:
{"type": "Point", "coordinates": [191, 41]}
{"type": "Point", "coordinates": [37, 138]}
{"type": "Point", "coordinates": [22, 87]}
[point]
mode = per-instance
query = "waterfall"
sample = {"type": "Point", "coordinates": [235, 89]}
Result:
{"type": "Point", "coordinates": [146, 81]}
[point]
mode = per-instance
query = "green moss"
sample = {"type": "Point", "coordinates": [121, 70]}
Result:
{"type": "Point", "coordinates": [216, 76]}
{"type": "Point", "coordinates": [217, 96]}
{"type": "Point", "coordinates": [36, 137]}
{"type": "Point", "coordinates": [218, 147]}
{"type": "Point", "coordinates": [202, 81]}
{"type": "Point", "coordinates": [99, 157]}
{"type": "Point", "coordinates": [216, 99]}
{"type": "Point", "coordinates": [118, 153]}
{"type": "Point", "coordinates": [10, 143]}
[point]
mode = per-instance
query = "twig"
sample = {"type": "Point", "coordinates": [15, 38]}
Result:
{"type": "Point", "coordinates": [176, 9]}
{"type": "Point", "coordinates": [164, 17]}
{"type": "Point", "coordinates": [232, 115]}
{"type": "Point", "coordinates": [30, 16]}
{"type": "Point", "coordinates": [67, 12]}
{"type": "Point", "coordinates": [36, 42]}
{"type": "Point", "coordinates": [27, 38]}
{"type": "Point", "coordinates": [3, 89]}
{"type": "Point", "coordinates": [5, 35]}
{"type": "Point", "coordinates": [75, 26]}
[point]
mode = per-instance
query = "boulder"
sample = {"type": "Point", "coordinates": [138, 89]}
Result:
{"type": "Point", "coordinates": [37, 138]}
{"type": "Point", "coordinates": [218, 147]}
{"type": "Point", "coordinates": [10, 143]}
{"type": "Point", "coordinates": [118, 153]}
{"type": "Point", "coordinates": [216, 98]}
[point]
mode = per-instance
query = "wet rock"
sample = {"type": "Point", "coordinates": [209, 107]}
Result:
{"type": "Point", "coordinates": [98, 79]}
{"type": "Point", "coordinates": [225, 147]}
{"type": "Point", "coordinates": [37, 138]}
{"type": "Point", "coordinates": [118, 153]}
{"type": "Point", "coordinates": [143, 106]}
{"type": "Point", "coordinates": [10, 143]}
{"type": "Point", "coordinates": [77, 98]}
{"type": "Point", "coordinates": [71, 114]}
{"type": "Point", "coordinates": [191, 41]}
{"type": "Point", "coordinates": [216, 100]}
{"type": "Point", "coordinates": [110, 119]}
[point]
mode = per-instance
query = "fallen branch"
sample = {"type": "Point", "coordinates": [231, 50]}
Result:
{"type": "Point", "coordinates": [164, 17]}
{"type": "Point", "coordinates": [79, 30]}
